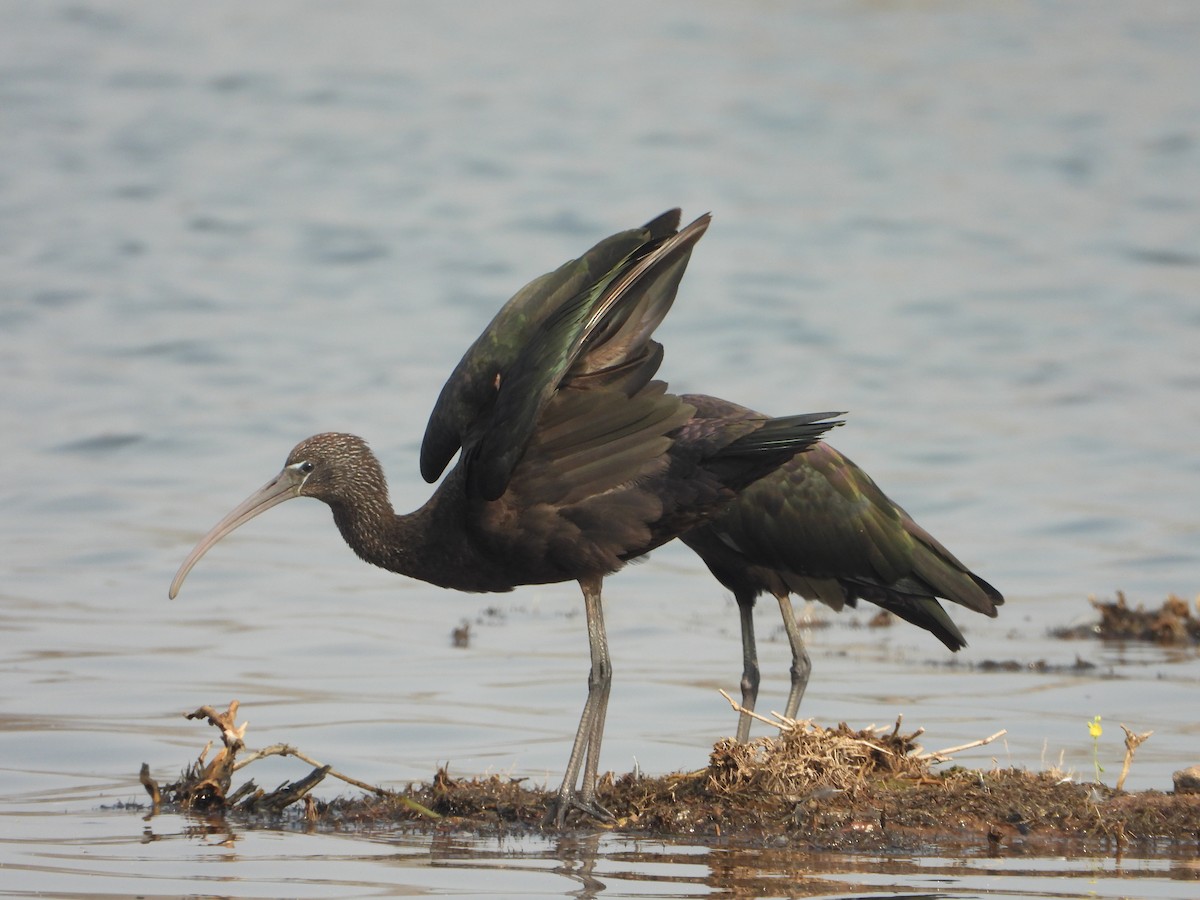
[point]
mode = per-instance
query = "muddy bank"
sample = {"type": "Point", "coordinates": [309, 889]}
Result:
{"type": "Point", "coordinates": [811, 786]}
{"type": "Point", "coordinates": [992, 811]}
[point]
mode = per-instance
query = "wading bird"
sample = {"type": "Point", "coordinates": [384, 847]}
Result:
{"type": "Point", "coordinates": [573, 459]}
{"type": "Point", "coordinates": [820, 527]}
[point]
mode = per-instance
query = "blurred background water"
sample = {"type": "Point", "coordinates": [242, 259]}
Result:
{"type": "Point", "coordinates": [225, 226]}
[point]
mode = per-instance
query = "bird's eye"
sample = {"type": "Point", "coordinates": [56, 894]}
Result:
{"type": "Point", "coordinates": [306, 467]}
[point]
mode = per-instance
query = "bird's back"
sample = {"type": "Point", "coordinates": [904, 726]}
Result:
{"type": "Point", "coordinates": [820, 527]}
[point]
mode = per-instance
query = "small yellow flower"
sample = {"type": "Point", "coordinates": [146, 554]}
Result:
{"type": "Point", "coordinates": [1094, 728]}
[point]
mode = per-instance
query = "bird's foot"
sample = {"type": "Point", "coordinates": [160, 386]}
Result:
{"type": "Point", "coordinates": [562, 805]}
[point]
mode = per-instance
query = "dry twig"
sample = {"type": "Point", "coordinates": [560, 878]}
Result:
{"type": "Point", "coordinates": [783, 723]}
{"type": "Point", "coordinates": [945, 755]}
{"type": "Point", "coordinates": [288, 750]}
{"type": "Point", "coordinates": [151, 787]}
{"type": "Point", "coordinates": [779, 721]}
{"type": "Point", "coordinates": [1132, 742]}
{"type": "Point", "coordinates": [207, 785]}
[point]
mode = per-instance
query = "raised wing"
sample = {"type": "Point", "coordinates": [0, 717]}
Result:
{"type": "Point", "coordinates": [591, 317]}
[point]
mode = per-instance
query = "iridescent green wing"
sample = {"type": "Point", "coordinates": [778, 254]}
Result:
{"type": "Point", "coordinates": [592, 315]}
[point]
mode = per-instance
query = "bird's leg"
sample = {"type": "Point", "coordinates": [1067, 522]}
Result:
{"type": "Point", "coordinates": [591, 724]}
{"type": "Point", "coordinates": [587, 790]}
{"type": "Point", "coordinates": [801, 664]}
{"type": "Point", "coordinates": [599, 686]}
{"type": "Point", "coordinates": [750, 674]}
{"type": "Point", "coordinates": [567, 796]}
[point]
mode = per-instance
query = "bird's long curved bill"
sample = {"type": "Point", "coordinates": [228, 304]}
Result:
{"type": "Point", "coordinates": [284, 486]}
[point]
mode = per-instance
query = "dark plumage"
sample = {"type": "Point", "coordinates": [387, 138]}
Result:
{"type": "Point", "coordinates": [572, 458]}
{"type": "Point", "coordinates": [818, 526]}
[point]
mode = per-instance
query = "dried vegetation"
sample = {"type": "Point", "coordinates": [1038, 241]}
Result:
{"type": "Point", "coordinates": [1172, 624]}
{"type": "Point", "coordinates": [870, 789]}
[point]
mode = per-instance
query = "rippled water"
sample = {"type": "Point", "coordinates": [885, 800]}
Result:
{"type": "Point", "coordinates": [225, 226]}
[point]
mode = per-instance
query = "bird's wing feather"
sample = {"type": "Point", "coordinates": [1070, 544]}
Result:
{"type": "Point", "coordinates": [605, 328]}
{"type": "Point", "coordinates": [600, 333]}
{"type": "Point", "coordinates": [620, 474]}
{"type": "Point", "coordinates": [830, 534]}
{"type": "Point", "coordinates": [470, 391]}
{"type": "Point", "coordinates": [590, 442]}
{"type": "Point", "coordinates": [573, 502]}
{"type": "Point", "coordinates": [823, 516]}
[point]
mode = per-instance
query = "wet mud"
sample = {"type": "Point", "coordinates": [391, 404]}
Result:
{"type": "Point", "coordinates": [812, 787]}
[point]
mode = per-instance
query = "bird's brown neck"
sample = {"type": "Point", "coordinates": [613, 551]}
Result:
{"type": "Point", "coordinates": [429, 544]}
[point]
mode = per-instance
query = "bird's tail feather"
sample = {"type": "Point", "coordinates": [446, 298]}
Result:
{"type": "Point", "coordinates": [927, 613]}
{"type": "Point", "coordinates": [793, 433]}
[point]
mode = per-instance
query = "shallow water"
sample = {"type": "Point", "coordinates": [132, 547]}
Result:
{"type": "Point", "coordinates": [226, 226]}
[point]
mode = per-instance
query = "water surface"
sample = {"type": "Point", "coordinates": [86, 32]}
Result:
{"type": "Point", "coordinates": [227, 226]}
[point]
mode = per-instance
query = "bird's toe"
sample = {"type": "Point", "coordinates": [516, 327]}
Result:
{"type": "Point", "coordinates": [562, 806]}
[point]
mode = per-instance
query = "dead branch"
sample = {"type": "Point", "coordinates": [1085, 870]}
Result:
{"type": "Point", "coordinates": [207, 785]}
{"type": "Point", "coordinates": [151, 787]}
{"type": "Point", "coordinates": [741, 709]}
{"type": "Point", "coordinates": [287, 794]}
{"type": "Point", "coordinates": [777, 719]}
{"type": "Point", "coordinates": [231, 734]}
{"type": "Point", "coordinates": [945, 755]}
{"type": "Point", "coordinates": [288, 750]}
{"type": "Point", "coordinates": [1132, 742]}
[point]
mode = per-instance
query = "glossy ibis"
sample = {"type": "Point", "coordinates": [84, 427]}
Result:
{"type": "Point", "coordinates": [573, 459]}
{"type": "Point", "coordinates": [820, 527]}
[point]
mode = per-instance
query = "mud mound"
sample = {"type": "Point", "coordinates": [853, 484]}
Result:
{"type": "Point", "coordinates": [812, 786]}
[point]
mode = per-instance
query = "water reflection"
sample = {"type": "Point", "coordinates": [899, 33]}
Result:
{"type": "Point", "coordinates": [578, 856]}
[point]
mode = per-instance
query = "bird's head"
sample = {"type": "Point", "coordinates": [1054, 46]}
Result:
{"type": "Point", "coordinates": [332, 467]}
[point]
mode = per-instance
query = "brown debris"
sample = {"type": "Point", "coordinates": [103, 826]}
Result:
{"type": "Point", "coordinates": [205, 787]}
{"type": "Point", "coordinates": [151, 787]}
{"type": "Point", "coordinates": [1172, 624]}
{"type": "Point", "coordinates": [823, 788]}
{"type": "Point", "coordinates": [461, 636]}
{"type": "Point", "coordinates": [881, 619]}
{"type": "Point", "coordinates": [207, 784]}
{"type": "Point", "coordinates": [1187, 781]}
{"type": "Point", "coordinates": [811, 786]}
